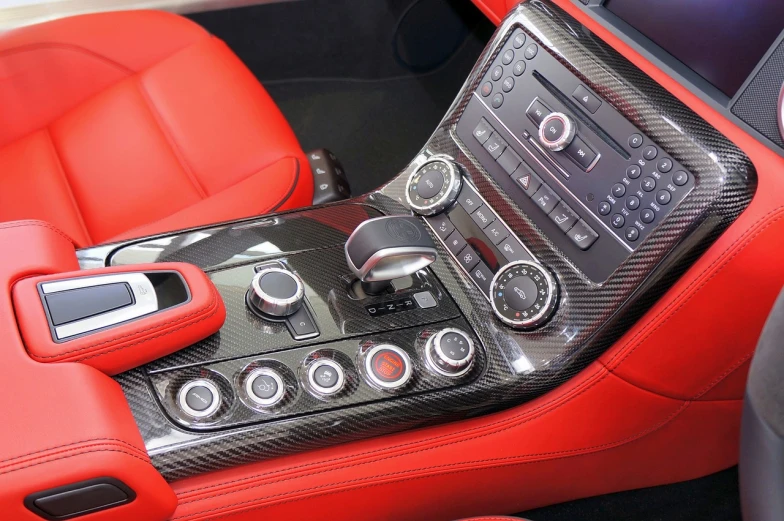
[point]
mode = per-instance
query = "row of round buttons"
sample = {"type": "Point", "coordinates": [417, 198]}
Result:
{"type": "Point", "coordinates": [450, 352]}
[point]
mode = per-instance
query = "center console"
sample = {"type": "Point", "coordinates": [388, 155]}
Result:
{"type": "Point", "coordinates": [561, 195]}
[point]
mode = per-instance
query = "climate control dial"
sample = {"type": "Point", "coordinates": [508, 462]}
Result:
{"type": "Point", "coordinates": [450, 352]}
{"type": "Point", "coordinates": [556, 131]}
{"type": "Point", "coordinates": [523, 295]}
{"type": "Point", "coordinates": [434, 186]}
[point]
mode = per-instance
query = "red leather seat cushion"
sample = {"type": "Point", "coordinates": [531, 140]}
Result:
{"type": "Point", "coordinates": [119, 125]}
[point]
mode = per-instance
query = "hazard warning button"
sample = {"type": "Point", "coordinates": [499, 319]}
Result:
{"type": "Point", "coordinates": [387, 366]}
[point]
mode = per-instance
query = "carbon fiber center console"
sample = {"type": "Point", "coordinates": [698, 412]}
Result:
{"type": "Point", "coordinates": [564, 190]}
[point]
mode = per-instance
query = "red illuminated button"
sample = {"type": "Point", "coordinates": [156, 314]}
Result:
{"type": "Point", "coordinates": [388, 366]}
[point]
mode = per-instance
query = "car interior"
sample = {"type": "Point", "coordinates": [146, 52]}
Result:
{"type": "Point", "coordinates": [392, 260]}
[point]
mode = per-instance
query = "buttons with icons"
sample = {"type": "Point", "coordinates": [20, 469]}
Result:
{"type": "Point", "coordinates": [618, 221]}
{"type": "Point", "coordinates": [680, 178]}
{"type": "Point", "coordinates": [387, 367]}
{"type": "Point", "coordinates": [632, 234]}
{"type": "Point", "coordinates": [619, 189]}
{"type": "Point", "coordinates": [633, 172]}
{"type": "Point", "coordinates": [635, 141]}
{"type": "Point", "coordinates": [497, 72]}
{"type": "Point", "coordinates": [507, 57]}
{"type": "Point", "coordinates": [508, 84]}
{"type": "Point", "coordinates": [531, 51]}
{"type": "Point", "coordinates": [487, 89]}
{"type": "Point", "coordinates": [497, 100]}
{"type": "Point", "coordinates": [632, 202]}
{"type": "Point", "coordinates": [326, 377]}
{"type": "Point", "coordinates": [265, 387]}
{"type": "Point", "coordinates": [519, 68]}
{"type": "Point", "coordinates": [650, 152]}
{"type": "Point", "coordinates": [648, 184]}
{"type": "Point", "coordinates": [199, 399]}
{"type": "Point", "coordinates": [604, 208]}
{"type": "Point", "coordinates": [664, 164]}
{"type": "Point", "coordinates": [647, 216]}
{"type": "Point", "coordinates": [663, 197]}
{"type": "Point", "coordinates": [518, 40]}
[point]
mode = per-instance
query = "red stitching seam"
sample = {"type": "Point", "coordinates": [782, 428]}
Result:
{"type": "Point", "coordinates": [270, 476]}
{"type": "Point", "coordinates": [509, 460]}
{"type": "Point", "coordinates": [74, 455]}
{"type": "Point", "coordinates": [723, 259]}
{"type": "Point", "coordinates": [136, 333]}
{"type": "Point", "coordinates": [40, 224]}
{"type": "Point", "coordinates": [69, 445]}
{"type": "Point", "coordinates": [48, 457]}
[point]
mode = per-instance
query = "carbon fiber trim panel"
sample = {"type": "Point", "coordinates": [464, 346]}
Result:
{"type": "Point", "coordinates": [518, 365]}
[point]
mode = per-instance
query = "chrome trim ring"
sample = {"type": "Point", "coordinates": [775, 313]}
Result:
{"type": "Point", "coordinates": [434, 345]}
{"type": "Point", "coordinates": [568, 135]}
{"type": "Point", "coordinates": [547, 308]}
{"type": "Point", "coordinates": [326, 391]}
{"type": "Point", "coordinates": [277, 307]}
{"type": "Point", "coordinates": [257, 400]}
{"type": "Point", "coordinates": [454, 184]}
{"type": "Point", "coordinates": [375, 380]}
{"type": "Point", "coordinates": [209, 411]}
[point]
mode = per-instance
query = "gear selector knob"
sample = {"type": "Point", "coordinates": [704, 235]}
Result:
{"type": "Point", "coordinates": [387, 248]}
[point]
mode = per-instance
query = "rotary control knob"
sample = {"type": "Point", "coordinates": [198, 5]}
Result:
{"type": "Point", "coordinates": [523, 295]}
{"type": "Point", "coordinates": [434, 186]}
{"type": "Point", "coordinates": [450, 352]}
{"type": "Point", "coordinates": [556, 131]}
{"type": "Point", "coordinates": [276, 292]}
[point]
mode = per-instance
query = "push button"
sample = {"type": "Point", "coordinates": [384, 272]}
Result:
{"type": "Point", "coordinates": [497, 100]}
{"type": "Point", "coordinates": [482, 131]}
{"type": "Point", "coordinates": [508, 84]}
{"type": "Point", "coordinates": [498, 71]}
{"type": "Point", "coordinates": [442, 225]}
{"type": "Point", "coordinates": [618, 221]}
{"type": "Point", "coordinates": [301, 324]}
{"type": "Point", "coordinates": [509, 161]}
{"type": "Point", "coordinates": [647, 216]}
{"type": "Point", "coordinates": [496, 232]}
{"type": "Point", "coordinates": [527, 179]}
{"type": "Point", "coordinates": [587, 99]}
{"type": "Point", "coordinates": [495, 145]}
{"type": "Point", "coordinates": [619, 190]}
{"type": "Point", "coordinates": [507, 57]}
{"type": "Point", "coordinates": [635, 141]}
{"type": "Point", "coordinates": [482, 275]}
{"type": "Point", "coordinates": [648, 184]}
{"type": "Point", "coordinates": [680, 178]}
{"type": "Point", "coordinates": [513, 250]}
{"type": "Point", "coordinates": [581, 153]}
{"type": "Point", "coordinates": [563, 216]}
{"type": "Point", "coordinates": [650, 152]}
{"type": "Point", "coordinates": [468, 199]}
{"type": "Point", "coordinates": [199, 398]}
{"type": "Point", "coordinates": [604, 208]}
{"type": "Point", "coordinates": [455, 242]}
{"type": "Point", "coordinates": [483, 217]}
{"type": "Point", "coordinates": [519, 68]}
{"type": "Point", "coordinates": [468, 258]}
{"type": "Point", "coordinates": [388, 366]}
{"type": "Point", "coordinates": [265, 387]}
{"type": "Point", "coordinates": [486, 89]}
{"type": "Point", "coordinates": [663, 197]}
{"type": "Point", "coordinates": [531, 51]}
{"type": "Point", "coordinates": [633, 172]}
{"type": "Point", "coordinates": [582, 235]}
{"type": "Point", "coordinates": [518, 40]}
{"type": "Point", "coordinates": [537, 112]}
{"type": "Point", "coordinates": [546, 199]}
{"type": "Point", "coordinates": [326, 377]}
{"type": "Point", "coordinates": [632, 234]}
{"type": "Point", "coordinates": [632, 202]}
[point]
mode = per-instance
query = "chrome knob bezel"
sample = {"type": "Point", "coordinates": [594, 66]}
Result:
{"type": "Point", "coordinates": [546, 310]}
{"type": "Point", "coordinates": [274, 306]}
{"type": "Point", "coordinates": [193, 413]}
{"type": "Point", "coordinates": [433, 348]}
{"type": "Point", "coordinates": [453, 184]}
{"type": "Point", "coordinates": [570, 129]}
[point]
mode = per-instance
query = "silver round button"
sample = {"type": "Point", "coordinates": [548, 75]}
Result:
{"type": "Point", "coordinates": [326, 377]}
{"type": "Point", "coordinates": [276, 292]}
{"type": "Point", "coordinates": [265, 387]}
{"type": "Point", "coordinates": [199, 399]}
{"type": "Point", "coordinates": [556, 131]}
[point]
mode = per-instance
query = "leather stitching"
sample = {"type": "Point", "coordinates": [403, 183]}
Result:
{"type": "Point", "coordinates": [722, 261]}
{"type": "Point", "coordinates": [211, 304]}
{"type": "Point", "coordinates": [70, 445]}
{"type": "Point", "coordinates": [74, 455]}
{"type": "Point", "coordinates": [77, 449]}
{"type": "Point", "coordinates": [432, 470]}
{"type": "Point", "coordinates": [40, 224]}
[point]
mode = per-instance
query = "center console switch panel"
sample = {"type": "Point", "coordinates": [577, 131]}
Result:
{"type": "Point", "coordinates": [592, 181]}
{"type": "Point", "coordinates": [115, 319]}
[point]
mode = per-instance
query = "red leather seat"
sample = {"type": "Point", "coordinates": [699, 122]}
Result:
{"type": "Point", "coordinates": [126, 124]}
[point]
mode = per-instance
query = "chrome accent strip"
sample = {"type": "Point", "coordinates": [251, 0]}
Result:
{"type": "Point", "coordinates": [145, 301]}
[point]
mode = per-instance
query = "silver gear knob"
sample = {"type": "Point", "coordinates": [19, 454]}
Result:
{"type": "Point", "coordinates": [387, 248]}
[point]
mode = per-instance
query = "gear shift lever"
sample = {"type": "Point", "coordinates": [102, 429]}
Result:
{"type": "Point", "coordinates": [387, 248]}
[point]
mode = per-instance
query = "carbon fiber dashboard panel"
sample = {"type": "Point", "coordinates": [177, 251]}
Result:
{"type": "Point", "coordinates": [517, 366]}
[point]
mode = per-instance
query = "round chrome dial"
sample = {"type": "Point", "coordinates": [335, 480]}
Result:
{"type": "Point", "coordinates": [523, 295]}
{"type": "Point", "coordinates": [434, 186]}
{"type": "Point", "coordinates": [556, 131]}
{"type": "Point", "coordinates": [265, 387]}
{"type": "Point", "coordinates": [276, 292]}
{"type": "Point", "coordinates": [450, 352]}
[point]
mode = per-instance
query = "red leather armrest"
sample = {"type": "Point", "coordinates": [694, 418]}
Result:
{"type": "Point", "coordinates": [127, 345]}
{"type": "Point", "coordinates": [62, 423]}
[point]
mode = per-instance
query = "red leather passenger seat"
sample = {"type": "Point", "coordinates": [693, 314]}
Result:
{"type": "Point", "coordinates": [126, 124]}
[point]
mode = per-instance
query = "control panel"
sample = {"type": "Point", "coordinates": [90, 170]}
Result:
{"type": "Point", "coordinates": [590, 179]}
{"type": "Point", "coordinates": [481, 243]}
